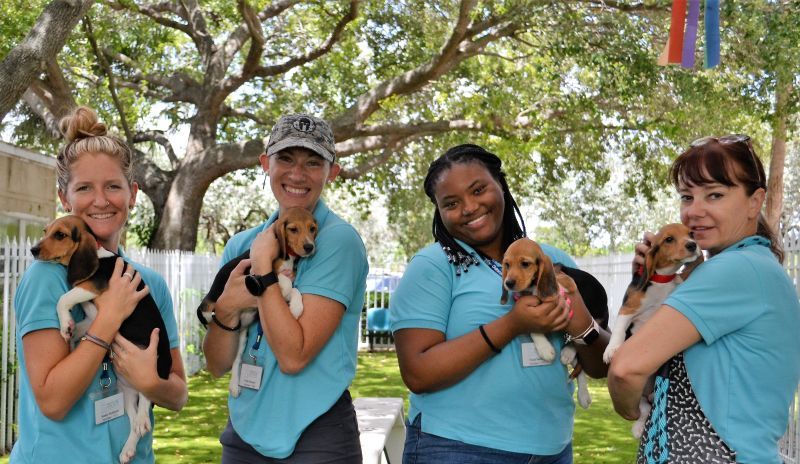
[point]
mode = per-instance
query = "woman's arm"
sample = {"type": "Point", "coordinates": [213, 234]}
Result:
{"type": "Point", "coordinates": [59, 378]}
{"type": "Point", "coordinates": [220, 345]}
{"type": "Point", "coordinates": [666, 334]}
{"type": "Point", "coordinates": [138, 367]}
{"type": "Point", "coordinates": [429, 363]}
{"type": "Point", "coordinates": [591, 356]}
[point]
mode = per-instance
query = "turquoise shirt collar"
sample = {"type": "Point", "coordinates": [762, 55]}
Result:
{"type": "Point", "coordinates": [320, 213]}
{"type": "Point", "coordinates": [753, 240]}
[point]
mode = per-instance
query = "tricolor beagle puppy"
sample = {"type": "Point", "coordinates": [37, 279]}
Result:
{"type": "Point", "coordinates": [70, 242]}
{"type": "Point", "coordinates": [296, 231]}
{"type": "Point", "coordinates": [528, 270]}
{"type": "Point", "coordinates": [672, 248]}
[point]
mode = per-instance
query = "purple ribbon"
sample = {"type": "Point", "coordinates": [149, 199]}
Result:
{"type": "Point", "coordinates": [690, 34]}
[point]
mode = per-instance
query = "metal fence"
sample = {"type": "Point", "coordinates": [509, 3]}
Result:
{"type": "Point", "coordinates": [189, 276]}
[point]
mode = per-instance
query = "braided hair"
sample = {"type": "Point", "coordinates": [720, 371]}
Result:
{"type": "Point", "coordinates": [513, 223]}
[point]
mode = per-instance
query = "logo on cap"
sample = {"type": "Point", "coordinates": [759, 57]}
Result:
{"type": "Point", "coordinates": [304, 124]}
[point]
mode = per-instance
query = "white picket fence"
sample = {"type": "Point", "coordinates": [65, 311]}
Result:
{"type": "Point", "coordinates": [189, 276]}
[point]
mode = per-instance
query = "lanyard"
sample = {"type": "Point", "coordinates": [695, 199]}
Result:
{"type": "Point", "coordinates": [493, 265]}
{"type": "Point", "coordinates": [105, 377]}
{"type": "Point", "coordinates": [257, 342]}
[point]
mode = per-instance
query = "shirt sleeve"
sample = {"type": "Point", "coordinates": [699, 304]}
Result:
{"type": "Point", "coordinates": [721, 296]}
{"type": "Point", "coordinates": [338, 269]}
{"type": "Point", "coordinates": [37, 296]}
{"type": "Point", "coordinates": [423, 298]}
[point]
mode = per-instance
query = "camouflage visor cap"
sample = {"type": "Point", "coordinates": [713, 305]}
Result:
{"type": "Point", "coordinates": [302, 130]}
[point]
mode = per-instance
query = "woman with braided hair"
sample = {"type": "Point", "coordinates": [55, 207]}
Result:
{"type": "Point", "coordinates": [475, 397]}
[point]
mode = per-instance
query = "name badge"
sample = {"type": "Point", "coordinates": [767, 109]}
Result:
{"type": "Point", "coordinates": [530, 357]}
{"type": "Point", "coordinates": [250, 376]}
{"type": "Point", "coordinates": [108, 408]}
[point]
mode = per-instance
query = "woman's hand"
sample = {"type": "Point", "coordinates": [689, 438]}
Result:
{"type": "Point", "coordinates": [235, 296]}
{"type": "Point", "coordinates": [264, 250]}
{"type": "Point", "coordinates": [530, 314]}
{"type": "Point", "coordinates": [641, 250]}
{"type": "Point", "coordinates": [137, 365]}
{"type": "Point", "coordinates": [121, 297]}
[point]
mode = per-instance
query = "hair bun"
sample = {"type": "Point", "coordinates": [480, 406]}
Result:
{"type": "Point", "coordinates": [81, 124]}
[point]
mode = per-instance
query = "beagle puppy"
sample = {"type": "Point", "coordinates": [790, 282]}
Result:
{"type": "Point", "coordinates": [672, 248]}
{"type": "Point", "coordinates": [69, 242]}
{"type": "Point", "coordinates": [527, 270]}
{"type": "Point", "coordinates": [296, 231]}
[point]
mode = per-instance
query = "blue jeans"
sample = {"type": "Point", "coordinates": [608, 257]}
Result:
{"type": "Point", "coordinates": [424, 448]}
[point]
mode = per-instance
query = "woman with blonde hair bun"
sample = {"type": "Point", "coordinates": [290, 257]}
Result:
{"type": "Point", "coordinates": [62, 391]}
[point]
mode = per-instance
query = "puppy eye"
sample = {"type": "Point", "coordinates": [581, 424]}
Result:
{"type": "Point", "coordinates": [313, 230]}
{"type": "Point", "coordinates": [669, 239]}
{"type": "Point", "coordinates": [292, 229]}
{"type": "Point", "coordinates": [524, 265]}
{"type": "Point", "coordinates": [60, 235]}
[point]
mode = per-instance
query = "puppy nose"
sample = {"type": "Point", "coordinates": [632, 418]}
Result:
{"type": "Point", "coordinates": [510, 283]}
{"type": "Point", "coordinates": [35, 251]}
{"type": "Point", "coordinates": [308, 248]}
{"type": "Point", "coordinates": [691, 246]}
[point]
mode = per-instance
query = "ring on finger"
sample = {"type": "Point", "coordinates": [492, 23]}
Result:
{"type": "Point", "coordinates": [128, 275]}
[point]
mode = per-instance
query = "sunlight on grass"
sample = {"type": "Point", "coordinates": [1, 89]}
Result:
{"type": "Point", "coordinates": [192, 435]}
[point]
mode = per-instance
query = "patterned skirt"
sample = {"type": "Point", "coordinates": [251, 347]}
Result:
{"type": "Point", "coordinates": [677, 430]}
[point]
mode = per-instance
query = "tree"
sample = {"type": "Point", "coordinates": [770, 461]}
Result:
{"type": "Point", "coordinates": [556, 88]}
{"type": "Point", "coordinates": [37, 53]}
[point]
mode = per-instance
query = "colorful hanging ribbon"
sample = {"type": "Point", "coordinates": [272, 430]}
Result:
{"type": "Point", "coordinates": [712, 33]}
{"type": "Point", "coordinates": [680, 46]}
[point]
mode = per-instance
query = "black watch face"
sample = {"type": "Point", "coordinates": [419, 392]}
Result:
{"type": "Point", "coordinates": [591, 336]}
{"type": "Point", "coordinates": [253, 285]}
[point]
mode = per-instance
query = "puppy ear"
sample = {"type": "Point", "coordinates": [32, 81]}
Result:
{"type": "Point", "coordinates": [546, 283]}
{"type": "Point", "coordinates": [280, 234]}
{"type": "Point", "coordinates": [649, 265]}
{"type": "Point", "coordinates": [504, 293]}
{"type": "Point", "coordinates": [84, 262]}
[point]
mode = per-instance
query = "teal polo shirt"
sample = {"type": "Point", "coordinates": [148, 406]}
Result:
{"type": "Point", "coordinates": [745, 370]}
{"type": "Point", "coordinates": [75, 438]}
{"type": "Point", "coordinates": [501, 404]}
{"type": "Point", "coordinates": [271, 419]}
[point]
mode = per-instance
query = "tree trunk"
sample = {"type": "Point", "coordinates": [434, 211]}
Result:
{"type": "Point", "coordinates": [177, 229]}
{"type": "Point", "coordinates": [774, 206]}
{"type": "Point", "coordinates": [29, 58]}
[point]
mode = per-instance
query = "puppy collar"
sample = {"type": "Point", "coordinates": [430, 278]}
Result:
{"type": "Point", "coordinates": [661, 278]}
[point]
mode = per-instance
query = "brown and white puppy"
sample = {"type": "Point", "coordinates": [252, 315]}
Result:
{"type": "Point", "coordinates": [672, 248]}
{"type": "Point", "coordinates": [70, 242]}
{"type": "Point", "coordinates": [296, 231]}
{"type": "Point", "coordinates": [527, 270]}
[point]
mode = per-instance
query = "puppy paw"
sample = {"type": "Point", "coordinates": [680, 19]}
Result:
{"type": "Point", "coordinates": [547, 353]}
{"type": "Point", "coordinates": [296, 305]}
{"type": "Point", "coordinates": [67, 329]}
{"type": "Point", "coordinates": [568, 354]}
{"type": "Point", "coordinates": [584, 398]}
{"type": "Point", "coordinates": [235, 389]}
{"type": "Point", "coordinates": [127, 454]}
{"type": "Point", "coordinates": [609, 353]}
{"type": "Point", "coordinates": [637, 429]}
{"type": "Point", "coordinates": [141, 424]}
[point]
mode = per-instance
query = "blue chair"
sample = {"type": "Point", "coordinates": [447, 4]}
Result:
{"type": "Point", "coordinates": [377, 324]}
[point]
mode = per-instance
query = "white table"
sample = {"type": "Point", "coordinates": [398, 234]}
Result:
{"type": "Point", "coordinates": [382, 427]}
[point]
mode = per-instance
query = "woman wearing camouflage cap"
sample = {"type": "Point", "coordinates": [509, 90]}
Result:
{"type": "Point", "coordinates": [302, 411]}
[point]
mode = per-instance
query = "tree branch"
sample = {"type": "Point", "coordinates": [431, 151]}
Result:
{"type": "Point", "coordinates": [112, 87]}
{"type": "Point", "coordinates": [158, 137]}
{"type": "Point", "coordinates": [27, 60]}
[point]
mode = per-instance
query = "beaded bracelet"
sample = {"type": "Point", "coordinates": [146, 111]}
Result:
{"type": "Point", "coordinates": [223, 326]}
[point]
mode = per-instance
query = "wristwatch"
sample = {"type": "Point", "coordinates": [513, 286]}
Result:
{"type": "Point", "coordinates": [588, 336]}
{"type": "Point", "coordinates": [257, 284]}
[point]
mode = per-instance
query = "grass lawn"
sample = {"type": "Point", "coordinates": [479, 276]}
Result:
{"type": "Point", "coordinates": [191, 436]}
